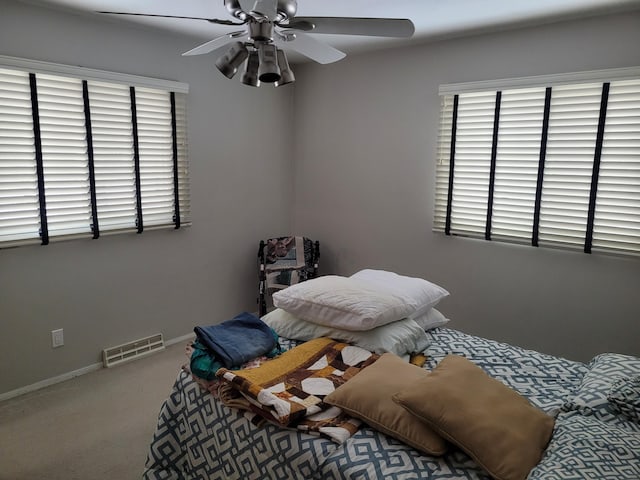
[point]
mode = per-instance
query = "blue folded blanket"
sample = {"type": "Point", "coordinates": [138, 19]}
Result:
{"type": "Point", "coordinates": [238, 340]}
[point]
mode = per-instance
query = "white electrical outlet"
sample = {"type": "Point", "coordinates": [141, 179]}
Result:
{"type": "Point", "coordinates": [57, 338]}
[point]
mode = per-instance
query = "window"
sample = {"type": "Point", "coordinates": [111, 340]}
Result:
{"type": "Point", "coordinates": [85, 152]}
{"type": "Point", "coordinates": [546, 161]}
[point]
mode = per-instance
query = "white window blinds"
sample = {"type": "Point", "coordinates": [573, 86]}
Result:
{"type": "Point", "coordinates": [617, 212]}
{"type": "Point", "coordinates": [112, 131]}
{"type": "Point", "coordinates": [518, 152]}
{"type": "Point", "coordinates": [19, 199]}
{"type": "Point", "coordinates": [156, 156]}
{"type": "Point", "coordinates": [554, 164]}
{"type": "Point", "coordinates": [571, 142]}
{"type": "Point", "coordinates": [64, 155]}
{"type": "Point", "coordinates": [81, 156]}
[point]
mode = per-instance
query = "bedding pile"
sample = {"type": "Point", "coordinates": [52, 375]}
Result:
{"type": "Point", "coordinates": [372, 312]}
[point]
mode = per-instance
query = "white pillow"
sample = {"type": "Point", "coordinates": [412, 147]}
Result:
{"type": "Point", "coordinates": [401, 337]}
{"type": "Point", "coordinates": [432, 318]}
{"type": "Point", "coordinates": [342, 302]}
{"type": "Point", "coordinates": [413, 290]}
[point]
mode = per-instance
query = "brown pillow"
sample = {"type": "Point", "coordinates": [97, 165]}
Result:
{"type": "Point", "coordinates": [367, 396]}
{"type": "Point", "coordinates": [492, 423]}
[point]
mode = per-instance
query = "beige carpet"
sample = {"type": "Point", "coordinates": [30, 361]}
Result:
{"type": "Point", "coordinates": [96, 426]}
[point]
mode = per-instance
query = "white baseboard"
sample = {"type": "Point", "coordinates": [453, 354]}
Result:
{"type": "Point", "coordinates": [49, 381]}
{"type": "Point", "coordinates": [76, 373]}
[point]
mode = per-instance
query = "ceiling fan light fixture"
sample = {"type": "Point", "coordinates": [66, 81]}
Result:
{"type": "Point", "coordinates": [229, 62]}
{"type": "Point", "coordinates": [286, 75]}
{"type": "Point", "coordinates": [250, 75]}
{"type": "Point", "coordinates": [269, 72]}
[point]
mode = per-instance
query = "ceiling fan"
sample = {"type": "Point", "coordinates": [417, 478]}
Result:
{"type": "Point", "coordinates": [270, 26]}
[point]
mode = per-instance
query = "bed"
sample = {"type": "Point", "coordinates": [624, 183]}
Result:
{"type": "Point", "coordinates": [199, 437]}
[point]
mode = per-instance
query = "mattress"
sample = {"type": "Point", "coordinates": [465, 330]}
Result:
{"type": "Point", "coordinates": [197, 437]}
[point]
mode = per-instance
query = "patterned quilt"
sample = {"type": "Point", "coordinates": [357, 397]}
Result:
{"type": "Point", "coordinates": [290, 389]}
{"type": "Point", "coordinates": [197, 437]}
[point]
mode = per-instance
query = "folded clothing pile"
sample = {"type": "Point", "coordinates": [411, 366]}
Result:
{"type": "Point", "coordinates": [231, 344]}
{"type": "Point", "coordinates": [377, 310]}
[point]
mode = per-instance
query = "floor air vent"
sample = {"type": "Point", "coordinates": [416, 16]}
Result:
{"type": "Point", "coordinates": [126, 352]}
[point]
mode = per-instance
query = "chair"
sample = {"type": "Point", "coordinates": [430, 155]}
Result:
{"type": "Point", "coordinates": [284, 261]}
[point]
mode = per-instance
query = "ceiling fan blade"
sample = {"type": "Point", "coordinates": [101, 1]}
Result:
{"type": "Point", "coordinates": [211, 45]}
{"type": "Point", "coordinates": [211, 20]}
{"type": "Point", "coordinates": [374, 27]}
{"type": "Point", "coordinates": [309, 47]}
{"type": "Point", "coordinates": [266, 8]}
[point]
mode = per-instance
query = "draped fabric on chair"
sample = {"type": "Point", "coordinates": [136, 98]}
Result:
{"type": "Point", "coordinates": [285, 261]}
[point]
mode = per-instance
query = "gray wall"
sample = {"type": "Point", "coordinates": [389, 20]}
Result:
{"type": "Point", "coordinates": [365, 163]}
{"type": "Point", "coordinates": [360, 141]}
{"type": "Point", "coordinates": [119, 288]}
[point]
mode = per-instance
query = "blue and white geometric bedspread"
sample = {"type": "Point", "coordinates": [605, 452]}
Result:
{"type": "Point", "coordinates": [585, 447]}
{"type": "Point", "coordinates": [199, 438]}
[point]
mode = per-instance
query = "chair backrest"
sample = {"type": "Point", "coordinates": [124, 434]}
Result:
{"type": "Point", "coordinates": [285, 261]}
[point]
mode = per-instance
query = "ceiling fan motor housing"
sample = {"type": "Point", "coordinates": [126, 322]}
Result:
{"type": "Point", "coordinates": [260, 31]}
{"type": "Point", "coordinates": [285, 9]}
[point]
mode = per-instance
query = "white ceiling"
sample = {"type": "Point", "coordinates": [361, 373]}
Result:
{"type": "Point", "coordinates": [433, 19]}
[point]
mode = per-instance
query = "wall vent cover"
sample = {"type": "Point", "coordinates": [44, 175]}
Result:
{"type": "Point", "coordinates": [126, 352]}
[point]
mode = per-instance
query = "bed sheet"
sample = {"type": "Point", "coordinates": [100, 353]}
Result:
{"type": "Point", "coordinates": [199, 438]}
